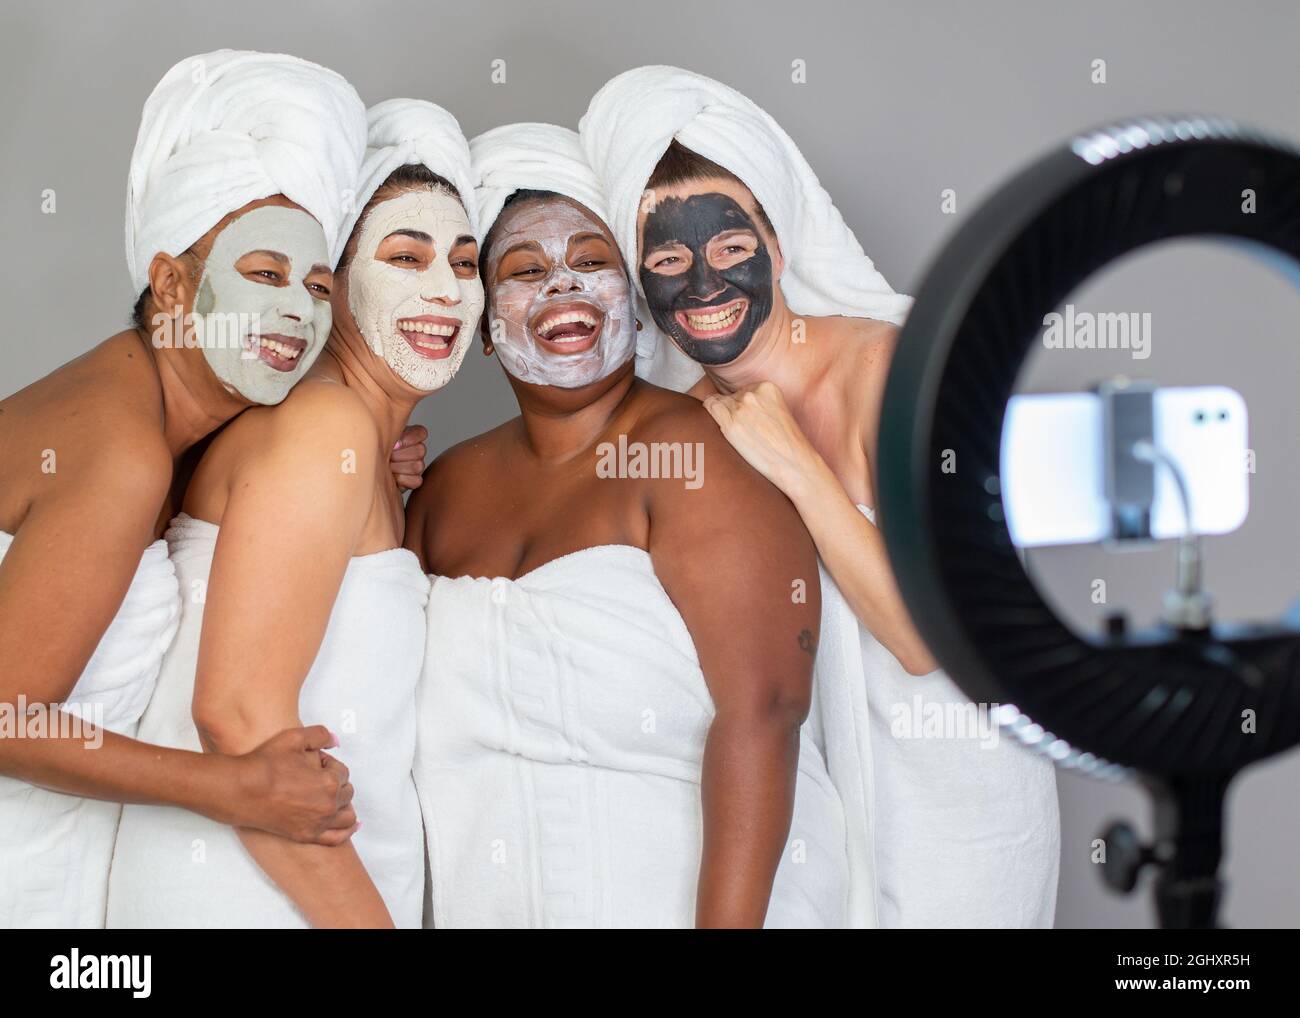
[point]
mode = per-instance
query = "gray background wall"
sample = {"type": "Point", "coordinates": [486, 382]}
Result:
{"type": "Point", "coordinates": [901, 102]}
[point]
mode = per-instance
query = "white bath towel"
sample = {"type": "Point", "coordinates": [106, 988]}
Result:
{"type": "Point", "coordinates": [223, 129]}
{"type": "Point", "coordinates": [532, 157]}
{"type": "Point", "coordinates": [402, 132]}
{"type": "Point", "coordinates": [839, 726]}
{"type": "Point", "coordinates": [562, 722]}
{"type": "Point", "coordinates": [628, 127]}
{"type": "Point", "coordinates": [55, 849]}
{"type": "Point", "coordinates": [173, 868]}
{"type": "Point", "coordinates": [967, 825]}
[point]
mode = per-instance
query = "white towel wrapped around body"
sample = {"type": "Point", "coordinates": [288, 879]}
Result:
{"type": "Point", "coordinates": [967, 824]}
{"type": "Point", "coordinates": [404, 132]}
{"type": "Point", "coordinates": [226, 128]}
{"type": "Point", "coordinates": [562, 723]}
{"type": "Point", "coordinates": [629, 125]}
{"type": "Point", "coordinates": [55, 849]}
{"type": "Point", "coordinates": [176, 869]}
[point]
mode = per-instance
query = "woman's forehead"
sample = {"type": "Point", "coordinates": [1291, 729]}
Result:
{"type": "Point", "coordinates": [688, 201]}
{"type": "Point", "coordinates": [416, 206]}
{"type": "Point", "coordinates": [550, 218]}
{"type": "Point", "coordinates": [704, 185]}
{"type": "Point", "coordinates": [203, 245]}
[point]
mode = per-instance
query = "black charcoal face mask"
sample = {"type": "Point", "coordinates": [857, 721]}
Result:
{"type": "Point", "coordinates": [707, 275]}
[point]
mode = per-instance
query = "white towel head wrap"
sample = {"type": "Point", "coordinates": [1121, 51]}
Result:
{"type": "Point", "coordinates": [403, 132]}
{"type": "Point", "coordinates": [631, 122]}
{"type": "Point", "coordinates": [226, 128]}
{"type": "Point", "coordinates": [531, 157]}
{"type": "Point", "coordinates": [546, 157]}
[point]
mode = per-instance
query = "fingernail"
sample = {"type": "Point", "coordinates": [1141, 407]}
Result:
{"type": "Point", "coordinates": [397, 444]}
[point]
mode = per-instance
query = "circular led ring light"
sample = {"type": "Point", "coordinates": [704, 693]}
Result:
{"type": "Point", "coordinates": [1165, 706]}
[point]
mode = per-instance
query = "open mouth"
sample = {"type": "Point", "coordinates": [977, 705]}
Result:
{"type": "Point", "coordinates": [431, 336]}
{"type": "Point", "coordinates": [278, 351]}
{"type": "Point", "coordinates": [568, 328]}
{"type": "Point", "coordinates": [720, 322]}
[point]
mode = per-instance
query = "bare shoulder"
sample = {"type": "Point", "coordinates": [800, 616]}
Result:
{"type": "Point", "coordinates": [95, 422]}
{"type": "Point", "coordinates": [666, 416]}
{"type": "Point", "coordinates": [299, 449]}
{"type": "Point", "coordinates": [318, 416]}
{"type": "Point", "coordinates": [675, 427]}
{"type": "Point", "coordinates": [726, 527]}
{"type": "Point", "coordinates": [116, 380]}
{"type": "Point", "coordinates": [463, 463]}
{"type": "Point", "coordinates": [323, 405]}
{"type": "Point", "coordinates": [870, 344]}
{"type": "Point", "coordinates": [860, 375]}
{"type": "Point", "coordinates": [114, 385]}
{"type": "Point", "coordinates": [474, 449]}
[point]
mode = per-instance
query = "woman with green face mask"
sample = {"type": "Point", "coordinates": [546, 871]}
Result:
{"type": "Point", "coordinates": [231, 216]}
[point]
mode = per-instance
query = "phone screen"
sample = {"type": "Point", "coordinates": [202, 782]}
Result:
{"type": "Point", "coordinates": [1053, 463]}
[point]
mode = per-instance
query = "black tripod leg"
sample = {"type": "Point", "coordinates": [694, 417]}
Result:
{"type": "Point", "coordinates": [1189, 847]}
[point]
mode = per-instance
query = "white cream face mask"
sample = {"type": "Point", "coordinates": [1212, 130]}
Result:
{"type": "Point", "coordinates": [412, 308]}
{"type": "Point", "coordinates": [260, 336]}
{"type": "Point", "coordinates": [560, 324]}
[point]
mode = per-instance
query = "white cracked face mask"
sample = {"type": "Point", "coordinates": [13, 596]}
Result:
{"type": "Point", "coordinates": [562, 312]}
{"type": "Point", "coordinates": [415, 308]}
{"type": "Point", "coordinates": [261, 334]}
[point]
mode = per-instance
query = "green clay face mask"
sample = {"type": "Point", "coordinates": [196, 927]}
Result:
{"type": "Point", "coordinates": [261, 330]}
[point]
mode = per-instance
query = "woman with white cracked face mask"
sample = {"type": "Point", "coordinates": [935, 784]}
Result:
{"type": "Point", "coordinates": [619, 658]}
{"type": "Point", "coordinates": [312, 611]}
{"type": "Point", "coordinates": [88, 596]}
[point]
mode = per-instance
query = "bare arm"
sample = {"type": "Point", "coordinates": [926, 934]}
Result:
{"type": "Point", "coordinates": [741, 569]}
{"type": "Point", "coordinates": [413, 532]}
{"type": "Point", "coordinates": [62, 582]}
{"type": "Point", "coordinates": [854, 553]}
{"type": "Point", "coordinates": [290, 525]}
{"type": "Point", "coordinates": [757, 422]}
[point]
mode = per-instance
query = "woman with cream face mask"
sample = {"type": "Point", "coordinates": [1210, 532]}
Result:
{"type": "Point", "coordinates": [615, 677]}
{"type": "Point", "coordinates": [234, 282]}
{"type": "Point", "coordinates": [313, 612]}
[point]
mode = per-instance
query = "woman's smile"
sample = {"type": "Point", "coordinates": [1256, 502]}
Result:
{"type": "Point", "coordinates": [279, 351]}
{"type": "Point", "coordinates": [431, 336]}
{"type": "Point", "coordinates": [568, 328]}
{"type": "Point", "coordinates": [718, 322]}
